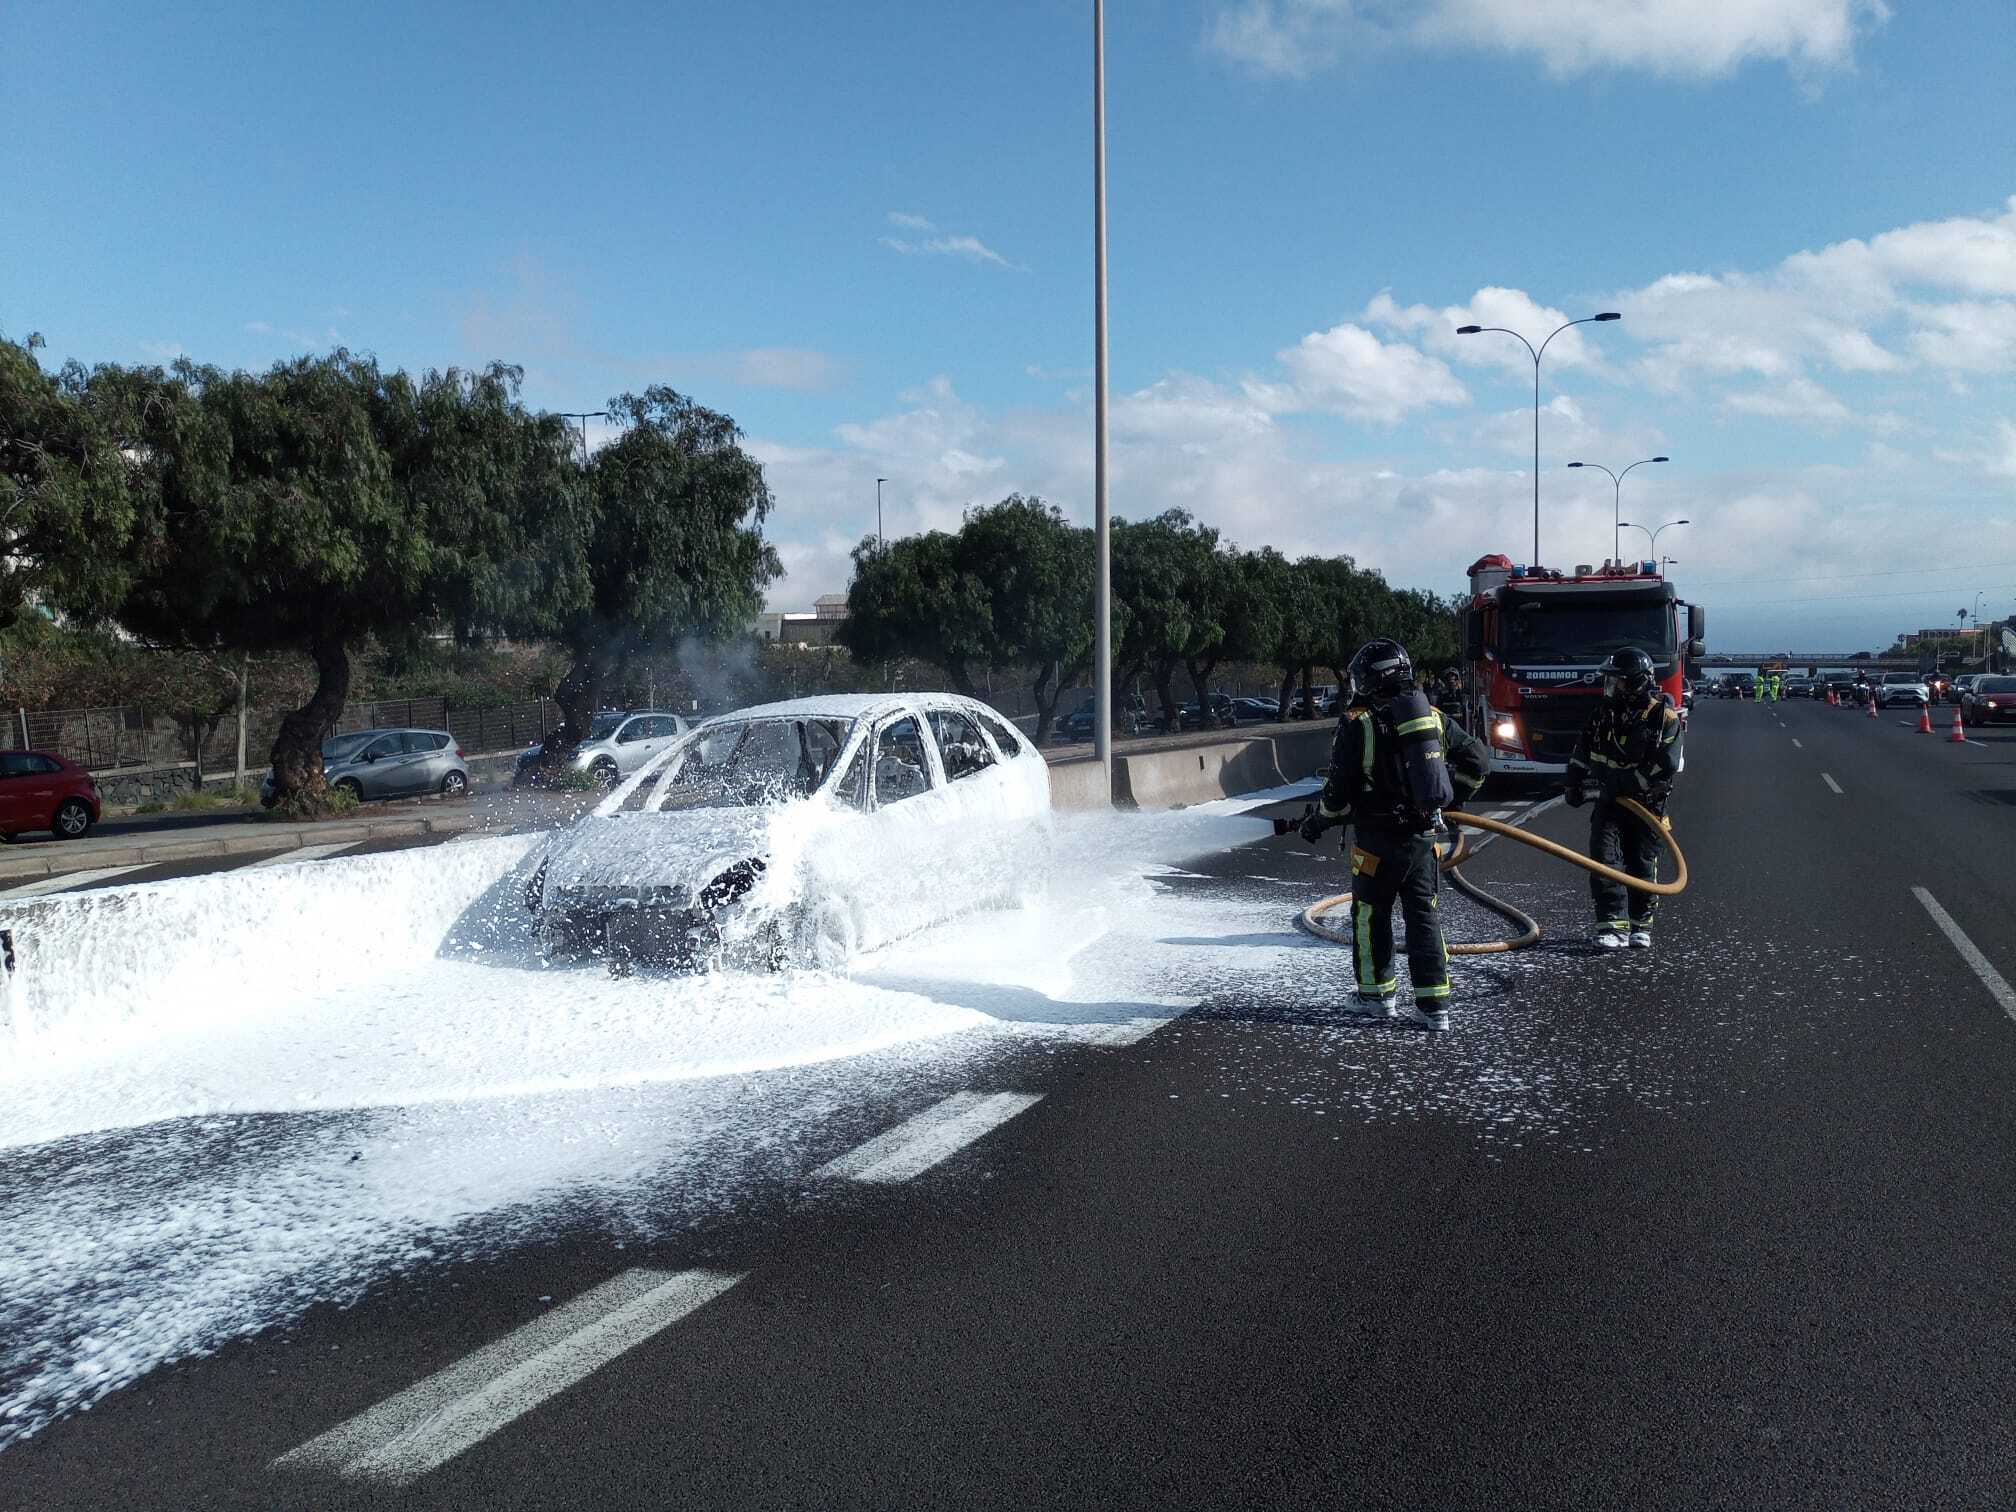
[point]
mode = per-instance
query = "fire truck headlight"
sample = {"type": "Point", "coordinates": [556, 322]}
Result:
{"type": "Point", "coordinates": [1506, 730]}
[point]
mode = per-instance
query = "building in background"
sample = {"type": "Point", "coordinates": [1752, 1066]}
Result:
{"type": "Point", "coordinates": [798, 627]}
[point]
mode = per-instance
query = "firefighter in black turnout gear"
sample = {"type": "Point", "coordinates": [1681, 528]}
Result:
{"type": "Point", "coordinates": [1397, 764]}
{"type": "Point", "coordinates": [1630, 749]}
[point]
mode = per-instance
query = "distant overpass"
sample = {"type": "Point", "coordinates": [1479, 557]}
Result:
{"type": "Point", "coordinates": [1807, 659]}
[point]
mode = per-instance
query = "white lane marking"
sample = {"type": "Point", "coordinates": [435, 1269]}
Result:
{"type": "Point", "coordinates": [1997, 985]}
{"type": "Point", "coordinates": [1797, 742]}
{"type": "Point", "coordinates": [919, 1143]}
{"type": "Point", "coordinates": [432, 1421]}
{"type": "Point", "coordinates": [300, 853]}
{"type": "Point", "coordinates": [70, 879]}
{"type": "Point", "coordinates": [1824, 777]}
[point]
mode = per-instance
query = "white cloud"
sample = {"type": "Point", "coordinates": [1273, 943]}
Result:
{"type": "Point", "coordinates": [1798, 399]}
{"type": "Point", "coordinates": [784, 367]}
{"type": "Point", "coordinates": [968, 248]}
{"type": "Point", "coordinates": [164, 351]}
{"type": "Point", "coordinates": [1509, 309]}
{"type": "Point", "coordinates": [1975, 336]}
{"type": "Point", "coordinates": [259, 327]}
{"type": "Point", "coordinates": [1688, 39]}
{"type": "Point", "coordinates": [1348, 371]}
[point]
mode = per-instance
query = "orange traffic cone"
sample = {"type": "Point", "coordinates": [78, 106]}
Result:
{"type": "Point", "coordinates": [1872, 706]}
{"type": "Point", "coordinates": [1959, 735]}
{"type": "Point", "coordinates": [1830, 698]}
{"type": "Point", "coordinates": [1925, 719]}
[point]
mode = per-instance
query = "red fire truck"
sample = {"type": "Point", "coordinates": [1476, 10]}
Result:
{"type": "Point", "coordinates": [1533, 639]}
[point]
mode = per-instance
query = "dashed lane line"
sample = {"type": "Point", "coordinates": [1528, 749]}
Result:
{"type": "Point", "coordinates": [919, 1143]}
{"type": "Point", "coordinates": [1129, 1032]}
{"type": "Point", "coordinates": [432, 1421]}
{"type": "Point", "coordinates": [1798, 742]}
{"type": "Point", "coordinates": [299, 853]}
{"type": "Point", "coordinates": [1997, 985]}
{"type": "Point", "coordinates": [1824, 777]}
{"type": "Point", "coordinates": [67, 880]}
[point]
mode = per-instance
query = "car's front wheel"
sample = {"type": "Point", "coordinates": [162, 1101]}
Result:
{"type": "Point", "coordinates": [353, 787]}
{"type": "Point", "coordinates": [605, 773]}
{"type": "Point", "coordinates": [455, 785]}
{"type": "Point", "coordinates": [73, 819]}
{"type": "Point", "coordinates": [825, 938]}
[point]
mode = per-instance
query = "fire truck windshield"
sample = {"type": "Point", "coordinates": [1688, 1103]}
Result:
{"type": "Point", "coordinates": [1553, 635]}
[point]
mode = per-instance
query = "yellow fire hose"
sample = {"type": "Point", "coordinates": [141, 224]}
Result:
{"type": "Point", "coordinates": [1312, 918]}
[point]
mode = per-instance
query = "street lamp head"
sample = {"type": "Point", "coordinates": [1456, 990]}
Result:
{"type": "Point", "coordinates": [1683, 522]}
{"type": "Point", "coordinates": [1609, 315]}
{"type": "Point", "coordinates": [1468, 330]}
{"type": "Point", "coordinates": [1662, 459]}
{"type": "Point", "coordinates": [1577, 464]}
{"type": "Point", "coordinates": [1627, 525]}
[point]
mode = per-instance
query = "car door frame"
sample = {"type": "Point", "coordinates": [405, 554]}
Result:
{"type": "Point", "coordinates": [380, 778]}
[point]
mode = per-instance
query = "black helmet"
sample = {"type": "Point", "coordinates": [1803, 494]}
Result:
{"type": "Point", "coordinates": [1628, 676]}
{"type": "Point", "coordinates": [1381, 667]}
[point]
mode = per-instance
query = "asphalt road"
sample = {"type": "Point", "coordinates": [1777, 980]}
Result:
{"type": "Point", "coordinates": [1725, 1224]}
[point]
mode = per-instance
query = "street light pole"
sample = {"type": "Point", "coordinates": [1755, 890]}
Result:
{"type": "Point", "coordinates": [881, 542]}
{"type": "Point", "coordinates": [1654, 534]}
{"type": "Point", "coordinates": [1617, 496]}
{"type": "Point", "coordinates": [584, 416]}
{"type": "Point", "coordinates": [1102, 593]}
{"type": "Point", "coordinates": [1472, 330]}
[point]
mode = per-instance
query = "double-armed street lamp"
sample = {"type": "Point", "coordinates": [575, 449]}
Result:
{"type": "Point", "coordinates": [1617, 496]}
{"type": "Point", "coordinates": [1472, 330]}
{"type": "Point", "coordinates": [584, 416]}
{"type": "Point", "coordinates": [1653, 534]}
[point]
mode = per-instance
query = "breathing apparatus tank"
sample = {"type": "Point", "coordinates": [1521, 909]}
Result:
{"type": "Point", "coordinates": [1416, 732]}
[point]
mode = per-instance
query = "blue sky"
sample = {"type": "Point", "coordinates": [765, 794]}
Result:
{"type": "Point", "coordinates": [864, 231]}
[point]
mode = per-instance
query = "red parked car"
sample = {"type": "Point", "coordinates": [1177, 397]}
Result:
{"type": "Point", "coordinates": [1991, 700]}
{"type": "Point", "coordinates": [43, 791]}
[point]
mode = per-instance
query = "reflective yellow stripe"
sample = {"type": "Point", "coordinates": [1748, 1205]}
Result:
{"type": "Point", "coordinates": [1362, 923]}
{"type": "Point", "coordinates": [1425, 722]}
{"type": "Point", "coordinates": [1366, 720]}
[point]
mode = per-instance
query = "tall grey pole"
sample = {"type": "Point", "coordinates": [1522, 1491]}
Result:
{"type": "Point", "coordinates": [881, 541]}
{"type": "Point", "coordinates": [1102, 596]}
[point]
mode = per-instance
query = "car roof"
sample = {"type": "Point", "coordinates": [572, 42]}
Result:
{"type": "Point", "coordinates": [852, 706]}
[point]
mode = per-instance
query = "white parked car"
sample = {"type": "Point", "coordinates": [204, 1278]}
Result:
{"type": "Point", "coordinates": [798, 834]}
{"type": "Point", "coordinates": [619, 742]}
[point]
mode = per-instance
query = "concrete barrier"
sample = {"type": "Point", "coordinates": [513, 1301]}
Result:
{"type": "Point", "coordinates": [1195, 774]}
{"type": "Point", "coordinates": [1078, 785]}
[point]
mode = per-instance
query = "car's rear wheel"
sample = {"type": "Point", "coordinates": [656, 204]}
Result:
{"type": "Point", "coordinates": [73, 819]}
{"type": "Point", "coordinates": [455, 785]}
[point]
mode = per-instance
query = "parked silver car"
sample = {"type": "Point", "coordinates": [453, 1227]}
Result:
{"type": "Point", "coordinates": [619, 741]}
{"type": "Point", "coordinates": [391, 764]}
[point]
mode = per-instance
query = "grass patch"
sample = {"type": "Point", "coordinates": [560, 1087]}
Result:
{"type": "Point", "coordinates": [198, 799]}
{"type": "Point", "coordinates": [330, 803]}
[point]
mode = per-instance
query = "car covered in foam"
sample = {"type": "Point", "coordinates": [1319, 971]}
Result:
{"type": "Point", "coordinates": [800, 833]}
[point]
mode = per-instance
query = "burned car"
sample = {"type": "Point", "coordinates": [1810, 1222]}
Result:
{"type": "Point", "coordinates": [798, 834]}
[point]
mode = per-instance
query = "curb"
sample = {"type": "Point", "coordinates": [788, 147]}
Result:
{"type": "Point", "coordinates": [280, 838]}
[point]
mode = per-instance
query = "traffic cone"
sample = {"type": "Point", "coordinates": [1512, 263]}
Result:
{"type": "Point", "coordinates": [1925, 719]}
{"type": "Point", "coordinates": [1959, 735]}
{"type": "Point", "coordinates": [1872, 707]}
{"type": "Point", "coordinates": [1830, 698]}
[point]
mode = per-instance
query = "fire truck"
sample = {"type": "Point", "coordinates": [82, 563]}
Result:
{"type": "Point", "coordinates": [1534, 639]}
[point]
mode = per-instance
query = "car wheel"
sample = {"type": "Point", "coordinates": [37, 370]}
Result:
{"type": "Point", "coordinates": [353, 787]}
{"type": "Point", "coordinates": [73, 819]}
{"type": "Point", "coordinates": [455, 785]}
{"type": "Point", "coordinates": [605, 773]}
{"type": "Point", "coordinates": [826, 937]}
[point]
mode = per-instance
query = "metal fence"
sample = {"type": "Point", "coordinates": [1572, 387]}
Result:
{"type": "Point", "coordinates": [110, 739]}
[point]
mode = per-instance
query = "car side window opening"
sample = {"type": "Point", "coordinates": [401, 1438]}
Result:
{"type": "Point", "coordinates": [420, 743]}
{"type": "Point", "coordinates": [18, 764]}
{"type": "Point", "coordinates": [383, 746]}
{"type": "Point", "coordinates": [1009, 742]}
{"type": "Point", "coordinates": [852, 787]}
{"type": "Point", "coordinates": [901, 767]}
{"type": "Point", "coordinates": [959, 744]}
{"type": "Point", "coordinates": [637, 729]}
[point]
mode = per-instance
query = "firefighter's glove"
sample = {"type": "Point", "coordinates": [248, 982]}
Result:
{"type": "Point", "coordinates": [1314, 825]}
{"type": "Point", "coordinates": [1576, 795]}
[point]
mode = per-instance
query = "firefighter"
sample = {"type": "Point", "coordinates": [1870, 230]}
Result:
{"type": "Point", "coordinates": [1398, 762]}
{"type": "Point", "coordinates": [1629, 749]}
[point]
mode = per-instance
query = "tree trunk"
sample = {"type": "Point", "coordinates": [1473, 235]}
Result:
{"type": "Point", "coordinates": [1048, 689]}
{"type": "Point", "coordinates": [297, 749]}
{"type": "Point", "coordinates": [1165, 689]}
{"type": "Point", "coordinates": [1200, 679]}
{"type": "Point", "coordinates": [1287, 693]}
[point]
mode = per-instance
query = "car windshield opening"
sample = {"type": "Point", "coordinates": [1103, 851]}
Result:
{"type": "Point", "coordinates": [752, 763]}
{"type": "Point", "coordinates": [1578, 635]}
